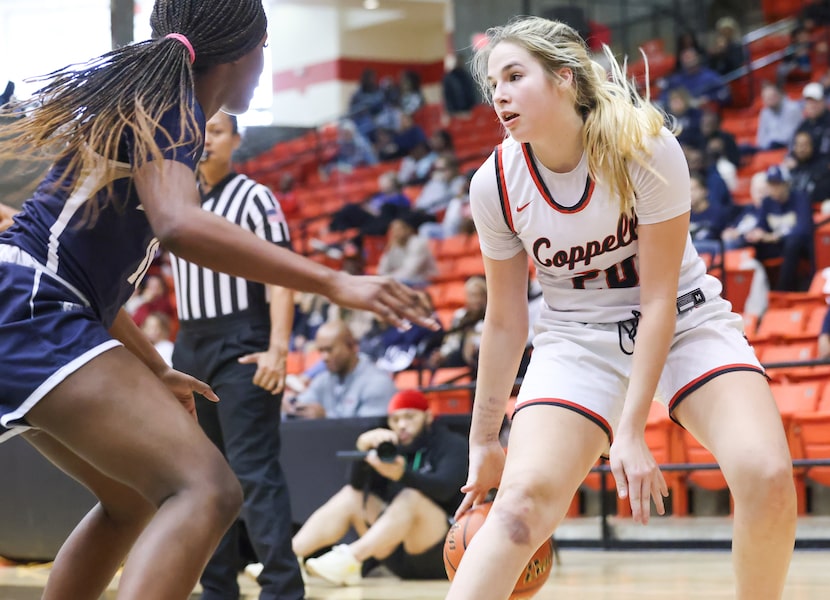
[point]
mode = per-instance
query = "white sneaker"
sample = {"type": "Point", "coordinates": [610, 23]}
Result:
{"type": "Point", "coordinates": [338, 566]}
{"type": "Point", "coordinates": [253, 570]}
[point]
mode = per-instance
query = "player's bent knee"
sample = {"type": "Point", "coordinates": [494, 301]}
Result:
{"type": "Point", "coordinates": [770, 486]}
{"type": "Point", "coordinates": [523, 513]}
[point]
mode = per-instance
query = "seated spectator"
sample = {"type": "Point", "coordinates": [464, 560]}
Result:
{"type": "Point", "coordinates": [703, 84]}
{"type": "Point", "coordinates": [441, 142]}
{"type": "Point", "coordinates": [747, 219]}
{"type": "Point", "coordinates": [366, 103]}
{"type": "Point", "coordinates": [409, 135]}
{"type": "Point", "coordinates": [458, 88]}
{"type": "Point", "coordinates": [156, 327]}
{"type": "Point", "coordinates": [714, 155]}
{"type": "Point", "coordinates": [411, 96]}
{"type": "Point", "coordinates": [444, 183]}
{"type": "Point", "coordinates": [701, 163]}
{"type": "Point", "coordinates": [710, 128]}
{"type": "Point", "coordinates": [687, 116]}
{"type": "Point", "coordinates": [808, 173]}
{"type": "Point", "coordinates": [797, 63]}
{"type": "Point", "coordinates": [386, 145]}
{"type": "Point", "coordinates": [400, 507]}
{"type": "Point", "coordinates": [417, 165]}
{"type": "Point", "coordinates": [726, 52]}
{"type": "Point", "coordinates": [460, 345]}
{"type": "Point", "coordinates": [394, 349]}
{"type": "Point", "coordinates": [707, 220]}
{"type": "Point", "coordinates": [778, 120]}
{"type": "Point", "coordinates": [816, 118]}
{"type": "Point", "coordinates": [784, 229]}
{"type": "Point", "coordinates": [407, 257]}
{"type": "Point", "coordinates": [152, 295]}
{"type": "Point", "coordinates": [310, 312]}
{"type": "Point", "coordinates": [353, 149]}
{"type": "Point", "coordinates": [458, 217]}
{"type": "Point", "coordinates": [350, 386]}
{"type": "Point", "coordinates": [374, 215]}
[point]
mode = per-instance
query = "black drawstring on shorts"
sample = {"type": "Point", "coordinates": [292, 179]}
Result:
{"type": "Point", "coordinates": [628, 326]}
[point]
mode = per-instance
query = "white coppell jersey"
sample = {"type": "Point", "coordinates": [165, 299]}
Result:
{"type": "Point", "coordinates": [584, 250]}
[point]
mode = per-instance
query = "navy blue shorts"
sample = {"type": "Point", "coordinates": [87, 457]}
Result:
{"type": "Point", "coordinates": [46, 334]}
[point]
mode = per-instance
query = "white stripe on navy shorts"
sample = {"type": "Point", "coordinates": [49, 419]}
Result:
{"type": "Point", "coordinates": [46, 334]}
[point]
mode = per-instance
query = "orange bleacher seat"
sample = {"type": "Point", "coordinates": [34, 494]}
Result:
{"type": "Point", "coordinates": [761, 161]}
{"type": "Point", "coordinates": [456, 246]}
{"type": "Point", "coordinates": [792, 352]}
{"type": "Point", "coordinates": [795, 398]}
{"type": "Point", "coordinates": [810, 434]}
{"type": "Point", "coordinates": [451, 375]}
{"type": "Point", "coordinates": [691, 451]}
{"type": "Point", "coordinates": [821, 240]}
{"type": "Point", "coordinates": [449, 295]}
{"type": "Point", "coordinates": [781, 324]}
{"type": "Point", "coordinates": [467, 266]}
{"type": "Point", "coordinates": [659, 435]}
{"type": "Point", "coordinates": [450, 401]}
{"type": "Point", "coordinates": [295, 362]}
{"type": "Point", "coordinates": [409, 379]}
{"type": "Point", "coordinates": [815, 319]}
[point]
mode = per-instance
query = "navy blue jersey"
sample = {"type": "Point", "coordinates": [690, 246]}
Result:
{"type": "Point", "coordinates": [104, 259]}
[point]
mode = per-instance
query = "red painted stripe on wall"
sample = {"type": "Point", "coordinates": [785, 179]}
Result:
{"type": "Point", "coordinates": [349, 69]}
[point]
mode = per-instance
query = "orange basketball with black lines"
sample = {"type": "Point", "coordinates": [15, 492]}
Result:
{"type": "Point", "coordinates": [534, 575]}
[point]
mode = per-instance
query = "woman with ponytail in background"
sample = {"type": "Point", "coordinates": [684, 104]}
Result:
{"type": "Point", "coordinates": [595, 190]}
{"type": "Point", "coordinates": [77, 377]}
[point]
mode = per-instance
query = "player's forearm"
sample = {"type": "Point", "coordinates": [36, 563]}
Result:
{"type": "Point", "coordinates": [282, 317]}
{"type": "Point", "coordinates": [654, 335]}
{"type": "Point", "coordinates": [498, 363]}
{"type": "Point", "coordinates": [128, 333]}
{"type": "Point", "coordinates": [201, 237]}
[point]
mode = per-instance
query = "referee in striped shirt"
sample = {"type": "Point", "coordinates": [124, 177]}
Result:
{"type": "Point", "coordinates": [234, 335]}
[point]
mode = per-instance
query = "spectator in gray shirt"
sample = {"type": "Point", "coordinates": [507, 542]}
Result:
{"type": "Point", "coordinates": [778, 119]}
{"type": "Point", "coordinates": [350, 386]}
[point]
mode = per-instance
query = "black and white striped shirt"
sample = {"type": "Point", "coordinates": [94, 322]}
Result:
{"type": "Point", "coordinates": [205, 294]}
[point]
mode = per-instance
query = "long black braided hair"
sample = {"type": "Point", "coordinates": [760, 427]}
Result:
{"type": "Point", "coordinates": [83, 110]}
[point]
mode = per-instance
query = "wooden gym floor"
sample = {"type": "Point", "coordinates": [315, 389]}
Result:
{"type": "Point", "coordinates": [583, 574]}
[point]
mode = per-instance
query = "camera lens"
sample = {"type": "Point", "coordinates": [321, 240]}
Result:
{"type": "Point", "coordinates": [387, 451]}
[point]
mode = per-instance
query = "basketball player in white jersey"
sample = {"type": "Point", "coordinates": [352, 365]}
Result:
{"type": "Point", "coordinates": [77, 377]}
{"type": "Point", "coordinates": [595, 190]}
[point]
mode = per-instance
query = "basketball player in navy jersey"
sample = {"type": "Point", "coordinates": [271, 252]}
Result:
{"type": "Point", "coordinates": [76, 375]}
{"type": "Point", "coordinates": [592, 187]}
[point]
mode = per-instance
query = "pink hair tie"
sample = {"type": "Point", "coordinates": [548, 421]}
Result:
{"type": "Point", "coordinates": [183, 39]}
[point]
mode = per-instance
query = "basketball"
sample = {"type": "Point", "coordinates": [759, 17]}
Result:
{"type": "Point", "coordinates": [533, 577]}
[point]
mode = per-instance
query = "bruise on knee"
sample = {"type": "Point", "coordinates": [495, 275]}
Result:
{"type": "Point", "coordinates": [518, 531]}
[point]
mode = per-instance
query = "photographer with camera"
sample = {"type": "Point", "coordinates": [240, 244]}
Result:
{"type": "Point", "coordinates": [399, 501]}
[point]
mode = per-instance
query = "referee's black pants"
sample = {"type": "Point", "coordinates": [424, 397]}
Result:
{"type": "Point", "coordinates": [244, 425]}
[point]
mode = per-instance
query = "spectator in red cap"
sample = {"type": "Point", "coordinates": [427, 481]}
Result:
{"type": "Point", "coordinates": [399, 503]}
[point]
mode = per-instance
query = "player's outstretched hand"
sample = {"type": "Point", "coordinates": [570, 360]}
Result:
{"type": "Point", "coordinates": [183, 386]}
{"type": "Point", "coordinates": [486, 468]}
{"type": "Point", "coordinates": [391, 300]}
{"type": "Point", "coordinates": [638, 476]}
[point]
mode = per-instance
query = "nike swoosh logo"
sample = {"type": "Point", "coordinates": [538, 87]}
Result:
{"type": "Point", "coordinates": [522, 207]}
